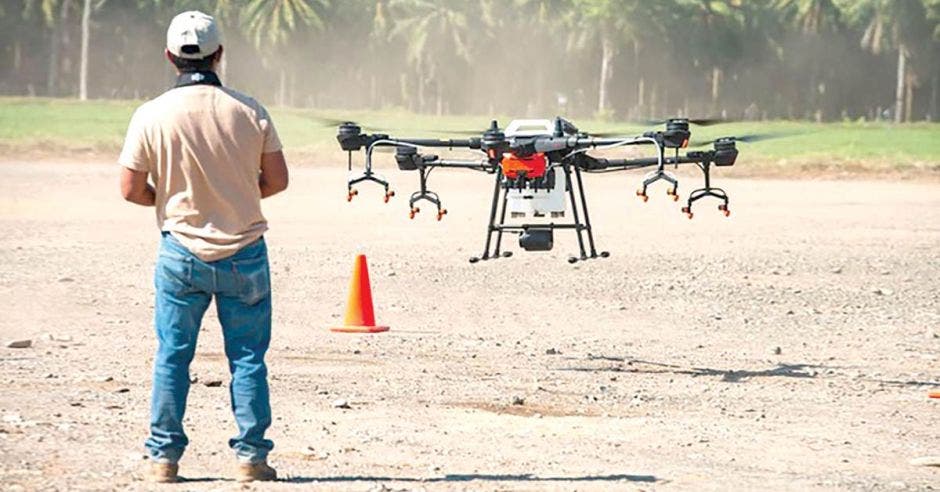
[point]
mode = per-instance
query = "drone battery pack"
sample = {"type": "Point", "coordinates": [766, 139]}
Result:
{"type": "Point", "coordinates": [533, 166]}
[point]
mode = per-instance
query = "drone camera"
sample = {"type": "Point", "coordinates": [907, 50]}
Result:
{"type": "Point", "coordinates": [725, 152]}
{"type": "Point", "coordinates": [350, 136]}
{"type": "Point", "coordinates": [536, 239]}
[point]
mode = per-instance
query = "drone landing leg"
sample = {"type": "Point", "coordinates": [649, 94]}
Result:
{"type": "Point", "coordinates": [491, 228]}
{"type": "Point", "coordinates": [368, 175]}
{"type": "Point", "coordinates": [587, 218]}
{"type": "Point", "coordinates": [499, 235]}
{"type": "Point", "coordinates": [655, 176]}
{"type": "Point", "coordinates": [424, 194]}
{"type": "Point", "coordinates": [578, 227]}
{"type": "Point", "coordinates": [707, 191]}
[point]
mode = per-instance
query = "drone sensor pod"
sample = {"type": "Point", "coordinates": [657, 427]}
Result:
{"type": "Point", "coordinates": [535, 239]}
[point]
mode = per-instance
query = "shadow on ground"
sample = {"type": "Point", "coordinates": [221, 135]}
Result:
{"type": "Point", "coordinates": [627, 364]}
{"type": "Point", "coordinates": [459, 477]}
{"type": "Point", "coordinates": [470, 477]}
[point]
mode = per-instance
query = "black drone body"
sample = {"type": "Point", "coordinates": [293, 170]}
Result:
{"type": "Point", "coordinates": [538, 167]}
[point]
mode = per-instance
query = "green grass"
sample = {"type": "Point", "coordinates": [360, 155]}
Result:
{"type": "Point", "coordinates": [59, 127]}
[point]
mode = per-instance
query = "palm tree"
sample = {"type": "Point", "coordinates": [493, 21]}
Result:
{"type": "Point", "coordinates": [270, 24]}
{"type": "Point", "coordinates": [435, 32]}
{"type": "Point", "coordinates": [608, 23]}
{"type": "Point", "coordinates": [892, 24]}
{"type": "Point", "coordinates": [812, 16]}
{"type": "Point", "coordinates": [540, 21]}
{"type": "Point", "coordinates": [815, 19]}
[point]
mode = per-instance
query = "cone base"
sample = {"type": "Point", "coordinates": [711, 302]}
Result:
{"type": "Point", "coordinates": [358, 329]}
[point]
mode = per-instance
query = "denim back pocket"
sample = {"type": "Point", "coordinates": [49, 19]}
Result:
{"type": "Point", "coordinates": [174, 274]}
{"type": "Point", "coordinates": [254, 278]}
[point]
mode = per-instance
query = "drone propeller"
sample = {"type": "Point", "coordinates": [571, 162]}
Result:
{"type": "Point", "coordinates": [748, 138]}
{"type": "Point", "coordinates": [692, 121]}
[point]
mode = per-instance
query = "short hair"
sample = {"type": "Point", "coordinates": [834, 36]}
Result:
{"type": "Point", "coordinates": [193, 64]}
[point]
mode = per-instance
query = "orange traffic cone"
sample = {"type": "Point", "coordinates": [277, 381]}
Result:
{"type": "Point", "coordinates": [359, 315]}
{"type": "Point", "coordinates": [934, 394]}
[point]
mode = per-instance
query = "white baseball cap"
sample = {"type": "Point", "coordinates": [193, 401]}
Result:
{"type": "Point", "coordinates": [193, 35]}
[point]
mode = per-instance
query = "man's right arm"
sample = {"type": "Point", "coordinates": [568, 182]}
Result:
{"type": "Point", "coordinates": [274, 176]}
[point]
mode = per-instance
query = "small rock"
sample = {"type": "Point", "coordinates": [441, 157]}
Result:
{"type": "Point", "coordinates": [518, 400]}
{"type": "Point", "coordinates": [66, 279]}
{"type": "Point", "coordinates": [25, 343]}
{"type": "Point", "coordinates": [341, 403]}
{"type": "Point", "coordinates": [122, 390]}
{"type": "Point", "coordinates": [551, 351]}
{"type": "Point", "coordinates": [213, 383]}
{"type": "Point", "coordinates": [882, 292]}
{"type": "Point", "coordinates": [837, 270]}
{"type": "Point", "coordinates": [391, 274]}
{"type": "Point", "coordinates": [193, 379]}
{"type": "Point", "coordinates": [778, 350]}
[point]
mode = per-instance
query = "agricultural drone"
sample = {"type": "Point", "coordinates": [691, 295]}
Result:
{"type": "Point", "coordinates": [537, 167]}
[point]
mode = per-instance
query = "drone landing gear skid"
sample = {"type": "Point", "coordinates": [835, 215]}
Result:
{"type": "Point", "coordinates": [706, 192]}
{"type": "Point", "coordinates": [367, 176]}
{"type": "Point", "coordinates": [581, 228]}
{"type": "Point", "coordinates": [424, 194]}
{"type": "Point", "coordinates": [659, 175]}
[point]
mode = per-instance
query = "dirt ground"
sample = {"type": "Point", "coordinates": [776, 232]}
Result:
{"type": "Point", "coordinates": [788, 347]}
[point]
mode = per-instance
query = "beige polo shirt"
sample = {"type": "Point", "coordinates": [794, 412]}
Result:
{"type": "Point", "coordinates": [202, 147]}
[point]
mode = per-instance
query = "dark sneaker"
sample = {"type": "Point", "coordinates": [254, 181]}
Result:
{"type": "Point", "coordinates": [163, 472]}
{"type": "Point", "coordinates": [256, 472]}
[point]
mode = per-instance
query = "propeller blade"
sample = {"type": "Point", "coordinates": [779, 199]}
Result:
{"type": "Point", "coordinates": [747, 138]}
{"type": "Point", "coordinates": [693, 121]}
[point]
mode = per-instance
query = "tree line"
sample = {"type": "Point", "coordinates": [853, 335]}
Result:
{"type": "Point", "coordinates": [756, 59]}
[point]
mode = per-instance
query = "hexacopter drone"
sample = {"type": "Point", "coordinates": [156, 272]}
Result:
{"type": "Point", "coordinates": [537, 167]}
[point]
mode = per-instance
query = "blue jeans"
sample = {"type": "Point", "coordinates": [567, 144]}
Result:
{"type": "Point", "coordinates": [184, 285]}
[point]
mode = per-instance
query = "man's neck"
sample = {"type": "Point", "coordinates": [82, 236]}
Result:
{"type": "Point", "coordinates": [197, 77]}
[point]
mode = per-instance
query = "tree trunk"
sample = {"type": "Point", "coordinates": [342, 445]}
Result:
{"type": "Point", "coordinates": [653, 102]}
{"type": "Point", "coordinates": [17, 56]}
{"type": "Point", "coordinates": [440, 97]}
{"type": "Point", "coordinates": [640, 97]}
{"type": "Point", "coordinates": [420, 74]}
{"type": "Point", "coordinates": [86, 34]}
{"type": "Point", "coordinates": [52, 76]}
{"type": "Point", "coordinates": [933, 116]}
{"type": "Point", "coordinates": [607, 56]}
{"type": "Point", "coordinates": [716, 88]}
{"type": "Point", "coordinates": [282, 90]}
{"type": "Point", "coordinates": [908, 97]}
{"type": "Point", "coordinates": [899, 92]}
{"type": "Point", "coordinates": [405, 93]}
{"type": "Point", "coordinates": [373, 92]}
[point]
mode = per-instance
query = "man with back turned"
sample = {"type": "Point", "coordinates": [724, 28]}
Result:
{"type": "Point", "coordinates": [212, 154]}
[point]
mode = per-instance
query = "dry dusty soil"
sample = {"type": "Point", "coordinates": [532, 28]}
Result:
{"type": "Point", "coordinates": [791, 346]}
